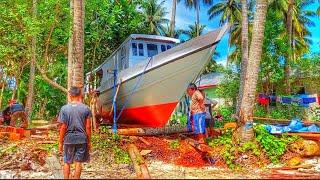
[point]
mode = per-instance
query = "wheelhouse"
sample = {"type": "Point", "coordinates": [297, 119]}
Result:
{"type": "Point", "coordinates": [132, 51]}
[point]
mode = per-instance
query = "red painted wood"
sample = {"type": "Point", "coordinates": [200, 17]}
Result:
{"type": "Point", "coordinates": [147, 116]}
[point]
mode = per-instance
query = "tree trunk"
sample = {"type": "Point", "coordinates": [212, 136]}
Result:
{"type": "Point", "coordinates": [78, 44]}
{"type": "Point", "coordinates": [70, 56]}
{"type": "Point", "coordinates": [14, 92]}
{"type": "Point", "coordinates": [198, 19]}
{"type": "Point", "coordinates": [245, 51]}
{"type": "Point", "coordinates": [255, 52]}
{"type": "Point", "coordinates": [51, 82]}
{"type": "Point", "coordinates": [173, 17]}
{"type": "Point", "coordinates": [32, 69]}
{"type": "Point", "coordinates": [1, 95]}
{"type": "Point", "coordinates": [289, 53]}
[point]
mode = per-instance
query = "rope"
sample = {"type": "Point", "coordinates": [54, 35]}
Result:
{"type": "Point", "coordinates": [134, 89]}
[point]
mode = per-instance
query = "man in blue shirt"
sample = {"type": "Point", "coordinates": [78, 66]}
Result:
{"type": "Point", "coordinates": [75, 133]}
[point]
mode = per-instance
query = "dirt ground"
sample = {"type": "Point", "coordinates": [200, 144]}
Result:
{"type": "Point", "coordinates": [28, 158]}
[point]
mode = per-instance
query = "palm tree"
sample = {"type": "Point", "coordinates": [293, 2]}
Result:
{"type": "Point", "coordinates": [32, 68]}
{"type": "Point", "coordinates": [154, 15]}
{"type": "Point", "coordinates": [296, 20]}
{"type": "Point", "coordinates": [253, 64]}
{"type": "Point", "coordinates": [230, 12]}
{"type": "Point", "coordinates": [167, 32]}
{"type": "Point", "coordinates": [173, 18]}
{"type": "Point", "coordinates": [76, 63]}
{"type": "Point", "coordinates": [300, 33]}
{"type": "Point", "coordinates": [244, 49]}
{"type": "Point", "coordinates": [193, 30]}
{"type": "Point", "coordinates": [195, 4]}
{"type": "Point", "coordinates": [228, 9]}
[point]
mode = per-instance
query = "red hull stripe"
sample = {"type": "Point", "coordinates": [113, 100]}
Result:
{"type": "Point", "coordinates": [148, 116]}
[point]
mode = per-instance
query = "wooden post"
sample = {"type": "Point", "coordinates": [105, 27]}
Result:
{"type": "Point", "coordinates": [134, 160]}
{"type": "Point", "coordinates": [138, 162]}
{"type": "Point", "coordinates": [93, 105]}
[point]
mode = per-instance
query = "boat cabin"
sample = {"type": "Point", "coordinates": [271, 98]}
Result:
{"type": "Point", "coordinates": [136, 48]}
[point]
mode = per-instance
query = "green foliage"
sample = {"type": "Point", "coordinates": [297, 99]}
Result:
{"type": "Point", "coordinates": [227, 112]}
{"type": "Point", "coordinates": [229, 87]}
{"type": "Point", "coordinates": [51, 147]}
{"type": "Point", "coordinates": [224, 139]}
{"type": "Point", "coordinates": [154, 16]}
{"type": "Point", "coordinates": [108, 143]}
{"type": "Point", "coordinates": [178, 118]}
{"type": "Point", "coordinates": [274, 146]}
{"type": "Point", "coordinates": [250, 146]}
{"type": "Point", "coordinates": [228, 153]}
{"type": "Point", "coordinates": [121, 156]}
{"type": "Point", "coordinates": [174, 144]}
{"type": "Point", "coordinates": [280, 112]}
{"type": "Point", "coordinates": [107, 25]}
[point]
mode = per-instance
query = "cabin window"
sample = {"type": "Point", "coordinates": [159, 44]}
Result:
{"type": "Point", "coordinates": [134, 49]}
{"type": "Point", "coordinates": [141, 53]}
{"type": "Point", "coordinates": [168, 47]}
{"type": "Point", "coordinates": [163, 48]}
{"type": "Point", "coordinates": [152, 49]}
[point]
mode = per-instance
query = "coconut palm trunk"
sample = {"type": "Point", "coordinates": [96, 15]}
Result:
{"type": "Point", "coordinates": [78, 44]}
{"type": "Point", "coordinates": [290, 51]}
{"type": "Point", "coordinates": [70, 59]}
{"type": "Point", "coordinates": [253, 65]}
{"type": "Point", "coordinates": [198, 18]}
{"type": "Point", "coordinates": [244, 50]}
{"type": "Point", "coordinates": [32, 68]}
{"type": "Point", "coordinates": [173, 18]}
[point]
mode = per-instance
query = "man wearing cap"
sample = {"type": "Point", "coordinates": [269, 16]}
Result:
{"type": "Point", "coordinates": [75, 133]}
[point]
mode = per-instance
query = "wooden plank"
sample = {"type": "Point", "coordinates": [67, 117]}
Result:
{"type": "Point", "coordinates": [135, 162]}
{"type": "Point", "coordinates": [144, 141]}
{"type": "Point", "coordinates": [282, 121]}
{"type": "Point", "coordinates": [143, 165]}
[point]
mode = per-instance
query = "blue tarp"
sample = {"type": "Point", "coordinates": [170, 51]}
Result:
{"type": "Point", "coordinates": [295, 126]}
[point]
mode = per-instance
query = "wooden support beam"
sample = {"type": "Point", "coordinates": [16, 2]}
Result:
{"type": "Point", "coordinates": [281, 121]}
{"type": "Point", "coordinates": [151, 131]}
{"type": "Point", "coordinates": [139, 164]}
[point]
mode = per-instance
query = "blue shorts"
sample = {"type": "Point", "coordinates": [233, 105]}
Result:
{"type": "Point", "coordinates": [199, 123]}
{"type": "Point", "coordinates": [75, 152]}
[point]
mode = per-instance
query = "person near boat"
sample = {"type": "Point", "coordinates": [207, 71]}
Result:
{"type": "Point", "coordinates": [209, 119]}
{"type": "Point", "coordinates": [75, 133]}
{"type": "Point", "coordinates": [197, 112]}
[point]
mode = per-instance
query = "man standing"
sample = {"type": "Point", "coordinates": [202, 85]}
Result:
{"type": "Point", "coordinates": [75, 133]}
{"type": "Point", "coordinates": [197, 110]}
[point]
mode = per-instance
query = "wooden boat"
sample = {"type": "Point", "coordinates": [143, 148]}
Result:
{"type": "Point", "coordinates": [153, 73]}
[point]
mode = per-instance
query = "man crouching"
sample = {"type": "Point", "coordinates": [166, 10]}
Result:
{"type": "Point", "coordinates": [75, 133]}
